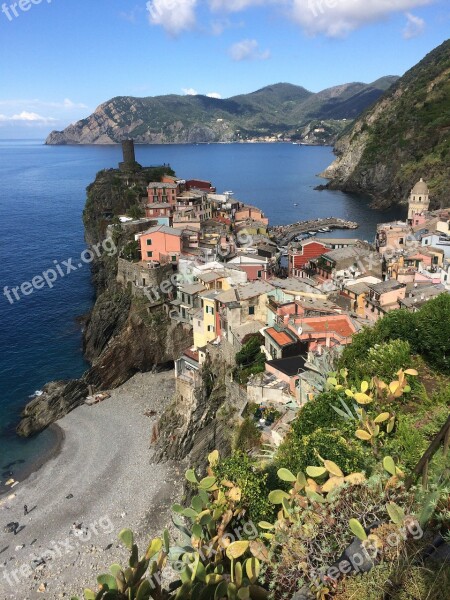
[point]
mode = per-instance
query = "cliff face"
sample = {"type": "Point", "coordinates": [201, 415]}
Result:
{"type": "Point", "coordinates": [404, 136]}
{"type": "Point", "coordinates": [121, 336]}
{"type": "Point", "coordinates": [279, 109]}
{"type": "Point", "coordinates": [194, 426]}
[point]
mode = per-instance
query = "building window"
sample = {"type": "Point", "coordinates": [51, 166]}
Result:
{"type": "Point", "coordinates": [174, 258]}
{"type": "Point", "coordinates": [149, 254]}
{"type": "Point", "coordinates": [149, 242]}
{"type": "Point", "coordinates": [259, 274]}
{"type": "Point", "coordinates": [251, 310]}
{"type": "Point", "coordinates": [210, 328]}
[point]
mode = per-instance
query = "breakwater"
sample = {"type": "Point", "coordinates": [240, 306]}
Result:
{"type": "Point", "coordinates": [283, 234]}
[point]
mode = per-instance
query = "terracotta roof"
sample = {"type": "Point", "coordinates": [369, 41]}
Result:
{"type": "Point", "coordinates": [281, 337]}
{"type": "Point", "coordinates": [341, 326]}
{"type": "Point", "coordinates": [191, 354]}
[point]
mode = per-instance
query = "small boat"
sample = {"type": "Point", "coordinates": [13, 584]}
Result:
{"type": "Point", "coordinates": [295, 204]}
{"type": "Point", "coordinates": [312, 232]}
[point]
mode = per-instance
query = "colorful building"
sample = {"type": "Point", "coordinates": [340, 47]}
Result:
{"type": "Point", "coordinates": [299, 256]}
{"type": "Point", "coordinates": [161, 244]}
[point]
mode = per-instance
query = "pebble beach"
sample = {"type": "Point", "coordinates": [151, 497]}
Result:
{"type": "Point", "coordinates": [101, 480]}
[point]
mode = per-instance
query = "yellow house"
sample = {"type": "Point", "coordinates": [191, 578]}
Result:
{"type": "Point", "coordinates": [214, 280]}
{"type": "Point", "coordinates": [205, 320]}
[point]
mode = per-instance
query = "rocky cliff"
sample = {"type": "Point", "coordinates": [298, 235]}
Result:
{"type": "Point", "coordinates": [277, 110]}
{"type": "Point", "coordinates": [204, 421]}
{"type": "Point", "coordinates": [404, 136]}
{"type": "Point", "coordinates": [121, 336]}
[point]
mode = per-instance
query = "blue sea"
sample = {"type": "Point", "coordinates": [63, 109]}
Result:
{"type": "Point", "coordinates": [42, 195]}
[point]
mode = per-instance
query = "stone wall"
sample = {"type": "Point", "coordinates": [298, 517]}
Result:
{"type": "Point", "coordinates": [140, 275]}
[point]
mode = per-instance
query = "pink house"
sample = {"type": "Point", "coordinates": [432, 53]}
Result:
{"type": "Point", "coordinates": [383, 297]}
{"type": "Point", "coordinates": [161, 244]}
{"type": "Point", "coordinates": [256, 267]}
{"type": "Point", "coordinates": [418, 219]}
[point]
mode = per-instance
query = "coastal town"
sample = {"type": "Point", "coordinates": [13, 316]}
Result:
{"type": "Point", "coordinates": [218, 269]}
{"type": "Point", "coordinates": [232, 334]}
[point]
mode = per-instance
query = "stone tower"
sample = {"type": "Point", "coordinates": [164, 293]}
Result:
{"type": "Point", "coordinates": [129, 159]}
{"type": "Point", "coordinates": [419, 200]}
{"type": "Point", "coordinates": [128, 152]}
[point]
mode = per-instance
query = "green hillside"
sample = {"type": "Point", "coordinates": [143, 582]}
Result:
{"type": "Point", "coordinates": [278, 110]}
{"type": "Point", "coordinates": [404, 136]}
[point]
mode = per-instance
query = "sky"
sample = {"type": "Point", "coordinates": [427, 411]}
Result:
{"type": "Point", "coordinates": [63, 58]}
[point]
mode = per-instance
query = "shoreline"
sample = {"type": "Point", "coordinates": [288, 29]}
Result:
{"type": "Point", "coordinates": [102, 476]}
{"type": "Point", "coordinates": [34, 466]}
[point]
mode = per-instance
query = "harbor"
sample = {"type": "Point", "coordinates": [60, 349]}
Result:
{"type": "Point", "coordinates": [284, 234]}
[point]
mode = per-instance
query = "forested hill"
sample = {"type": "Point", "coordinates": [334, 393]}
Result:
{"type": "Point", "coordinates": [281, 110]}
{"type": "Point", "coordinates": [404, 136]}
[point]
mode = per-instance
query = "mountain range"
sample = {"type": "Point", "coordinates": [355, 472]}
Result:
{"type": "Point", "coordinates": [404, 136]}
{"type": "Point", "coordinates": [280, 111]}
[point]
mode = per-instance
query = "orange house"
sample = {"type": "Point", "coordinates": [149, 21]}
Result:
{"type": "Point", "coordinates": [161, 244]}
{"type": "Point", "coordinates": [245, 213]}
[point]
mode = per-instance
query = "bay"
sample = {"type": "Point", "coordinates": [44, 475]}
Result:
{"type": "Point", "coordinates": [42, 195]}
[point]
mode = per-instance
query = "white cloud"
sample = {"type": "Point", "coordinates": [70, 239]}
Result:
{"type": "Point", "coordinates": [174, 15]}
{"type": "Point", "coordinates": [218, 26]}
{"type": "Point", "coordinates": [333, 18]}
{"type": "Point", "coordinates": [248, 50]}
{"type": "Point", "coordinates": [238, 5]}
{"type": "Point", "coordinates": [190, 91]}
{"type": "Point", "coordinates": [27, 117]}
{"type": "Point", "coordinates": [214, 95]}
{"type": "Point", "coordinates": [414, 26]}
{"type": "Point", "coordinates": [337, 18]}
{"type": "Point", "coordinates": [132, 15]}
{"type": "Point", "coordinates": [67, 103]}
{"type": "Point", "coordinates": [35, 104]}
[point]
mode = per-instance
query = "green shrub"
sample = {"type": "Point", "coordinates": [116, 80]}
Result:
{"type": "Point", "coordinates": [298, 452]}
{"type": "Point", "coordinates": [239, 469]}
{"type": "Point", "coordinates": [318, 413]}
{"type": "Point", "coordinates": [427, 332]}
{"type": "Point", "coordinates": [136, 212]}
{"type": "Point", "coordinates": [386, 359]}
{"type": "Point", "coordinates": [248, 436]}
{"type": "Point", "coordinates": [433, 327]}
{"type": "Point", "coordinates": [250, 360]}
{"type": "Point", "coordinates": [408, 443]}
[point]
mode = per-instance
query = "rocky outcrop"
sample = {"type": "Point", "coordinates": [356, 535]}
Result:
{"type": "Point", "coordinates": [192, 423]}
{"type": "Point", "coordinates": [194, 426]}
{"type": "Point", "coordinates": [123, 334]}
{"type": "Point", "coordinates": [58, 399]}
{"type": "Point", "coordinates": [403, 137]}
